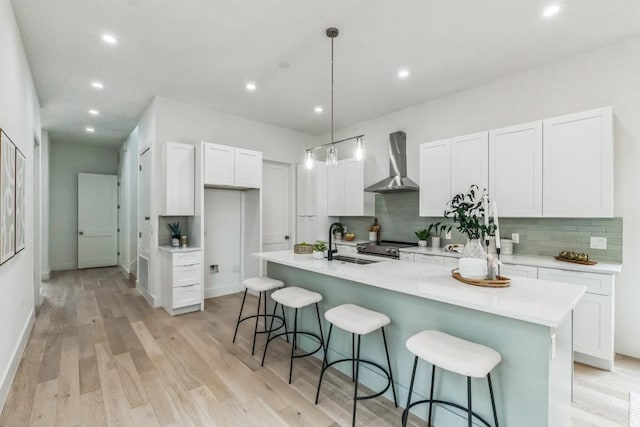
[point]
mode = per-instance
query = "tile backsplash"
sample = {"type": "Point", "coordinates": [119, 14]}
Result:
{"type": "Point", "coordinates": [397, 214]}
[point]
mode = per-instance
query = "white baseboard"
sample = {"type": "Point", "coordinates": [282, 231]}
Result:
{"type": "Point", "coordinates": [15, 360]}
{"type": "Point", "coordinates": [596, 362]}
{"type": "Point", "coordinates": [152, 300]}
{"type": "Point", "coordinates": [223, 290]}
{"type": "Point", "coordinates": [45, 275]}
{"type": "Point", "coordinates": [64, 266]}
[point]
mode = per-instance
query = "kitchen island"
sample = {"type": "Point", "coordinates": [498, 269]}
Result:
{"type": "Point", "coordinates": [529, 323]}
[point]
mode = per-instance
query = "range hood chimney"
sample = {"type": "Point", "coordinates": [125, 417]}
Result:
{"type": "Point", "coordinates": [397, 180]}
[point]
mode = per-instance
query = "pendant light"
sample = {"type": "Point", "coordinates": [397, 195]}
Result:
{"type": "Point", "coordinates": [332, 149]}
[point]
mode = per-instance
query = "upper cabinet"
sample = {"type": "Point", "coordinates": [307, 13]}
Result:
{"type": "Point", "coordinates": [226, 166]}
{"type": "Point", "coordinates": [515, 172]}
{"type": "Point", "coordinates": [469, 162]}
{"type": "Point", "coordinates": [578, 164]}
{"type": "Point", "coordinates": [435, 177]}
{"type": "Point", "coordinates": [178, 161]}
{"type": "Point", "coordinates": [345, 192]}
{"type": "Point", "coordinates": [311, 190]}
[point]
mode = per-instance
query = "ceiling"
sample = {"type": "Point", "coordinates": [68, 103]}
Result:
{"type": "Point", "coordinates": [204, 51]}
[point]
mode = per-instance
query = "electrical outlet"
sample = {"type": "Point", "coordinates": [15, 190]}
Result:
{"type": "Point", "coordinates": [515, 237]}
{"type": "Point", "coordinates": [598, 243]}
{"type": "Point", "coordinates": [447, 235]}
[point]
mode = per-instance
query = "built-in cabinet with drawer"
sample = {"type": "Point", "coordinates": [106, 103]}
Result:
{"type": "Point", "coordinates": [226, 166]}
{"type": "Point", "coordinates": [557, 167]}
{"type": "Point", "coordinates": [346, 249]}
{"type": "Point", "coordinates": [593, 317]}
{"type": "Point", "coordinates": [345, 190]}
{"type": "Point", "coordinates": [516, 270]}
{"type": "Point", "coordinates": [312, 221]}
{"type": "Point", "coordinates": [181, 281]}
{"type": "Point", "coordinates": [178, 164]}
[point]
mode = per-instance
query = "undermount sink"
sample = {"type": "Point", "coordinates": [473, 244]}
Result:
{"type": "Point", "coordinates": [353, 260]}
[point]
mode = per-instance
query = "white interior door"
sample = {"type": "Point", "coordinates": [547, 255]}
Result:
{"type": "Point", "coordinates": [275, 206]}
{"type": "Point", "coordinates": [97, 220]}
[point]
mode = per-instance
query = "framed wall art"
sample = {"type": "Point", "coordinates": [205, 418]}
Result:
{"type": "Point", "coordinates": [7, 198]}
{"type": "Point", "coordinates": [20, 204]}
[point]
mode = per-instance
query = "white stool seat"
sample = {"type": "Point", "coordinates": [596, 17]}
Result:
{"type": "Point", "coordinates": [295, 297]}
{"type": "Point", "coordinates": [262, 284]}
{"type": "Point", "coordinates": [356, 319]}
{"type": "Point", "coordinates": [454, 354]}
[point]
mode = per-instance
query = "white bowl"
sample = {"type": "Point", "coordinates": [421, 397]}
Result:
{"type": "Point", "coordinates": [472, 268]}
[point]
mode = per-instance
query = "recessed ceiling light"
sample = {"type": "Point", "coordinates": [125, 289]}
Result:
{"type": "Point", "coordinates": [89, 129]}
{"type": "Point", "coordinates": [551, 10]}
{"type": "Point", "coordinates": [97, 85]}
{"type": "Point", "coordinates": [251, 86]}
{"type": "Point", "coordinates": [94, 112]}
{"type": "Point", "coordinates": [318, 109]}
{"type": "Point", "coordinates": [403, 73]}
{"type": "Point", "coordinates": [109, 38]}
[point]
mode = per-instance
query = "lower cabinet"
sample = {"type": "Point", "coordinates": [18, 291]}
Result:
{"type": "Point", "coordinates": [181, 281]}
{"type": "Point", "coordinates": [593, 317]}
{"type": "Point", "coordinates": [428, 259]}
{"type": "Point", "coordinates": [515, 270]}
{"type": "Point", "coordinates": [344, 249]}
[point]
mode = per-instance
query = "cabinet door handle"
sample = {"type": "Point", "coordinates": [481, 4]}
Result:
{"type": "Point", "coordinates": [147, 218]}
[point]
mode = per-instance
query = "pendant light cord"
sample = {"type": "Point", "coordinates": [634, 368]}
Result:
{"type": "Point", "coordinates": [331, 89]}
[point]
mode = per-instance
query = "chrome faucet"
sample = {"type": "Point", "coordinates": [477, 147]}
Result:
{"type": "Point", "coordinates": [330, 252]}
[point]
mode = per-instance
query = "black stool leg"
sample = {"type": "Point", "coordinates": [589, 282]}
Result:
{"type": "Point", "coordinates": [264, 302]}
{"type": "Point", "coordinates": [324, 363]}
{"type": "Point", "coordinates": [266, 345]}
{"type": "Point", "coordinates": [433, 378]}
{"type": "Point", "coordinates": [239, 316]}
{"type": "Point", "coordinates": [353, 356]}
{"type": "Point", "coordinates": [294, 344]}
{"type": "Point", "coordinates": [255, 330]}
{"type": "Point", "coordinates": [324, 348]}
{"type": "Point", "coordinates": [493, 402]}
{"type": "Point", "coordinates": [355, 389]}
{"type": "Point", "coordinates": [386, 350]}
{"type": "Point", "coordinates": [284, 322]}
{"type": "Point", "coordinates": [470, 417]}
{"type": "Point", "coordinates": [405, 413]}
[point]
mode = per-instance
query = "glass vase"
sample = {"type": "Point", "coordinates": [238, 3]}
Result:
{"type": "Point", "coordinates": [474, 249]}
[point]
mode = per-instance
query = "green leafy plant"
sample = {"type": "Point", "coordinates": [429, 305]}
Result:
{"type": "Point", "coordinates": [438, 229]}
{"type": "Point", "coordinates": [422, 234]}
{"type": "Point", "coordinates": [320, 246]}
{"type": "Point", "coordinates": [175, 229]}
{"type": "Point", "coordinates": [467, 210]}
{"type": "Point", "coordinates": [338, 229]}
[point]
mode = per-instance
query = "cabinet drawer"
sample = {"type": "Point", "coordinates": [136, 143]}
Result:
{"type": "Point", "coordinates": [449, 262]}
{"type": "Point", "coordinates": [187, 295]}
{"type": "Point", "coordinates": [600, 284]}
{"type": "Point", "coordinates": [404, 256]}
{"type": "Point", "coordinates": [428, 259]}
{"type": "Point", "coordinates": [186, 258]}
{"type": "Point", "coordinates": [515, 270]}
{"type": "Point", "coordinates": [184, 275]}
{"type": "Point", "coordinates": [347, 250]}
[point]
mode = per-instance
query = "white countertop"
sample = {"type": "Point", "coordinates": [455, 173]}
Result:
{"type": "Point", "coordinates": [536, 301]}
{"type": "Point", "coordinates": [172, 249]}
{"type": "Point", "coordinates": [532, 260]}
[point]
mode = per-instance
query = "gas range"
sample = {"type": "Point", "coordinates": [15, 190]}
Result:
{"type": "Point", "coordinates": [385, 248]}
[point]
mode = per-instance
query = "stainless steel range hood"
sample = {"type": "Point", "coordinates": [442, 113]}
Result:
{"type": "Point", "coordinates": [397, 181]}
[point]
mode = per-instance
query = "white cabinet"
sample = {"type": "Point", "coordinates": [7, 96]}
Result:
{"type": "Point", "coordinates": [515, 270]}
{"type": "Point", "coordinates": [219, 165]}
{"type": "Point", "coordinates": [428, 259]}
{"type": "Point", "coordinates": [515, 169]}
{"type": "Point", "coordinates": [435, 177]}
{"type": "Point", "coordinates": [345, 249]}
{"type": "Point", "coordinates": [406, 256]}
{"type": "Point", "coordinates": [345, 190]}
{"type": "Point", "coordinates": [305, 191]}
{"type": "Point", "coordinates": [178, 163]}
{"type": "Point", "coordinates": [226, 166]}
{"type": "Point", "coordinates": [578, 164]}
{"type": "Point", "coordinates": [311, 203]}
{"type": "Point", "coordinates": [593, 317]}
{"type": "Point", "coordinates": [248, 168]}
{"type": "Point", "coordinates": [469, 162]}
{"type": "Point", "coordinates": [307, 229]}
{"type": "Point", "coordinates": [181, 281]}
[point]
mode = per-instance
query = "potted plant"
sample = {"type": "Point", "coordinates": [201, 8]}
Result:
{"type": "Point", "coordinates": [422, 236]}
{"type": "Point", "coordinates": [468, 212]}
{"type": "Point", "coordinates": [319, 249]}
{"type": "Point", "coordinates": [175, 233]}
{"type": "Point", "coordinates": [437, 229]}
{"type": "Point", "coordinates": [337, 232]}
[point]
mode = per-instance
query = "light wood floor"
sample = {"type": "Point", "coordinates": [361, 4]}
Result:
{"type": "Point", "coordinates": [100, 355]}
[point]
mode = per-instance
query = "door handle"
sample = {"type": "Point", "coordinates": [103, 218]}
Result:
{"type": "Point", "coordinates": [286, 237]}
{"type": "Point", "coordinates": [147, 218]}
{"type": "Point", "coordinates": [81, 233]}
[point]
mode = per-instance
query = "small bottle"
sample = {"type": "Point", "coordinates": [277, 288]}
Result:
{"type": "Point", "coordinates": [183, 240]}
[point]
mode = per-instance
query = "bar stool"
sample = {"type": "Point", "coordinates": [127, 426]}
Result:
{"type": "Point", "coordinates": [262, 285]}
{"type": "Point", "coordinates": [294, 297]}
{"type": "Point", "coordinates": [455, 355]}
{"type": "Point", "coordinates": [359, 321]}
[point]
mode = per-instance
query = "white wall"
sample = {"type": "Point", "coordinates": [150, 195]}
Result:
{"type": "Point", "coordinates": [66, 161]}
{"type": "Point", "coordinates": [20, 119]}
{"type": "Point", "coordinates": [601, 77]}
{"type": "Point", "coordinates": [45, 266]}
{"type": "Point", "coordinates": [129, 206]}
